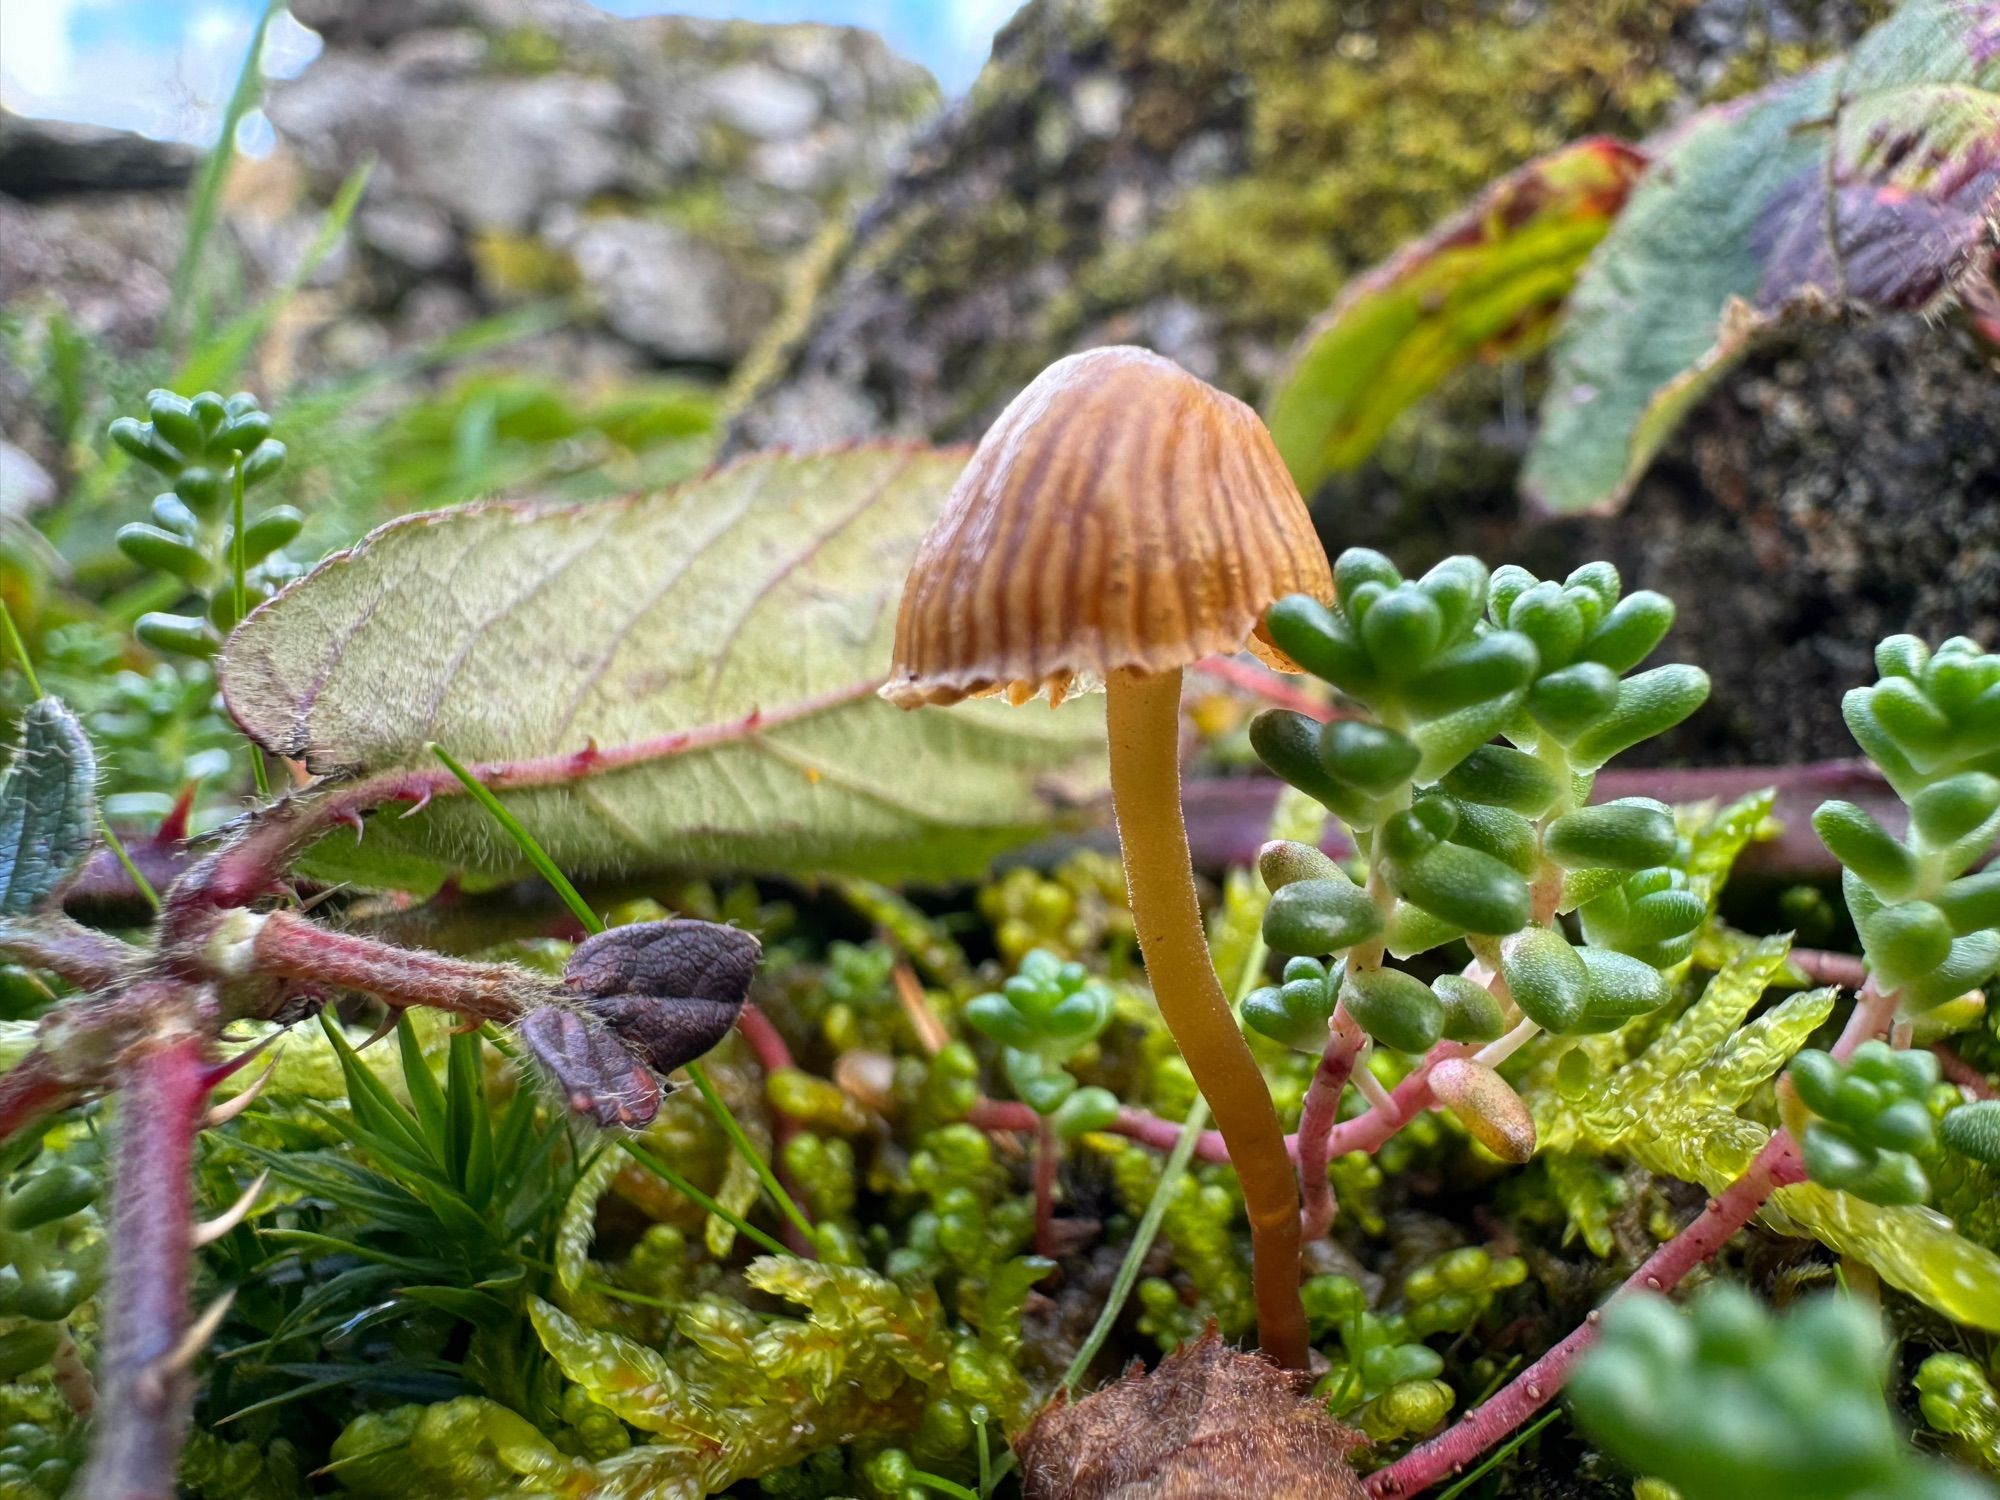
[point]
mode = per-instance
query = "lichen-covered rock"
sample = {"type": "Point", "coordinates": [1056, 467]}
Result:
{"type": "Point", "coordinates": [1201, 176]}
{"type": "Point", "coordinates": [666, 169]}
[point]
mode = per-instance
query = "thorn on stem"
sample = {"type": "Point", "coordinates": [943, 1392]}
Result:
{"type": "Point", "coordinates": [229, 1109]}
{"type": "Point", "coordinates": [154, 1382]}
{"type": "Point", "coordinates": [229, 1218]}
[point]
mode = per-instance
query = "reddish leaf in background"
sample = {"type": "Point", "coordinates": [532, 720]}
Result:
{"type": "Point", "coordinates": [1486, 284]}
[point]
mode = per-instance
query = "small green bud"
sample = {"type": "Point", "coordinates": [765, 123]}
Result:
{"type": "Point", "coordinates": [163, 551]}
{"type": "Point", "coordinates": [174, 420]}
{"type": "Point", "coordinates": [1413, 930]}
{"type": "Point", "coordinates": [1288, 742]}
{"type": "Point", "coordinates": [1546, 977]}
{"type": "Point", "coordinates": [1502, 776]}
{"type": "Point", "coordinates": [1419, 827]}
{"type": "Point", "coordinates": [1458, 587]}
{"type": "Point", "coordinates": [1282, 861]}
{"type": "Point", "coordinates": [1910, 718]}
{"type": "Point", "coordinates": [1037, 1083]}
{"type": "Point", "coordinates": [210, 410]}
{"type": "Point", "coordinates": [262, 462]}
{"type": "Point", "coordinates": [52, 1294]}
{"type": "Point", "coordinates": [178, 634]}
{"type": "Point", "coordinates": [1551, 620]}
{"type": "Point", "coordinates": [1901, 656]}
{"type": "Point", "coordinates": [1471, 890]}
{"type": "Point", "coordinates": [1507, 836]}
{"type": "Point", "coordinates": [1894, 1180]}
{"type": "Point", "coordinates": [1974, 1130]}
{"type": "Point", "coordinates": [1955, 807]}
{"type": "Point", "coordinates": [204, 490]}
{"type": "Point", "coordinates": [1621, 987]}
{"type": "Point", "coordinates": [1401, 630]}
{"type": "Point", "coordinates": [1471, 1014]}
{"type": "Point", "coordinates": [1480, 670]}
{"type": "Point", "coordinates": [25, 1350]}
{"type": "Point", "coordinates": [270, 531]}
{"type": "Point", "coordinates": [1633, 833]}
{"type": "Point", "coordinates": [242, 434]}
{"type": "Point", "coordinates": [1648, 704]}
{"type": "Point", "coordinates": [1971, 960]}
{"type": "Point", "coordinates": [1601, 579]}
{"type": "Point", "coordinates": [51, 1194]}
{"type": "Point", "coordinates": [1295, 1013]}
{"type": "Point", "coordinates": [1508, 583]}
{"type": "Point", "coordinates": [1395, 1008]}
{"type": "Point", "coordinates": [1905, 941]}
{"type": "Point", "coordinates": [1366, 756]}
{"type": "Point", "coordinates": [1311, 917]}
{"type": "Point", "coordinates": [1568, 702]}
{"type": "Point", "coordinates": [1320, 641]}
{"type": "Point", "coordinates": [170, 514]}
{"type": "Point", "coordinates": [144, 443]}
{"type": "Point", "coordinates": [1866, 847]}
{"type": "Point", "coordinates": [1972, 902]}
{"type": "Point", "coordinates": [1085, 1110]}
{"type": "Point", "coordinates": [1359, 566]}
{"type": "Point", "coordinates": [1448, 739]}
{"type": "Point", "coordinates": [998, 1018]}
{"type": "Point", "coordinates": [1631, 632]}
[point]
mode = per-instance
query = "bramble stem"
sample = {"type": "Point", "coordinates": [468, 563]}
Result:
{"type": "Point", "coordinates": [88, 959]}
{"type": "Point", "coordinates": [144, 1390]}
{"type": "Point", "coordinates": [1316, 1121]}
{"type": "Point", "coordinates": [1143, 725]}
{"type": "Point", "coordinates": [291, 947]}
{"type": "Point", "coordinates": [1777, 1165]}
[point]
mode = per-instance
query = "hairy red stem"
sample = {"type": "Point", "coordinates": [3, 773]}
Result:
{"type": "Point", "coordinates": [289, 946]}
{"type": "Point", "coordinates": [87, 959]}
{"type": "Point", "coordinates": [144, 1389]}
{"type": "Point", "coordinates": [1316, 1121]}
{"type": "Point", "coordinates": [1776, 1166]}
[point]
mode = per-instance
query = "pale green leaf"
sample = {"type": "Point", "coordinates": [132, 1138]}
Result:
{"type": "Point", "coordinates": [48, 807]}
{"type": "Point", "coordinates": [633, 1381]}
{"type": "Point", "coordinates": [689, 675]}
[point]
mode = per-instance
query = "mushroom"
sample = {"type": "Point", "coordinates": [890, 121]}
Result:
{"type": "Point", "coordinates": [1121, 520]}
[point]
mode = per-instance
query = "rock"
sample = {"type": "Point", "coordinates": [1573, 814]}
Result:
{"type": "Point", "coordinates": [1203, 176]}
{"type": "Point", "coordinates": [52, 158]}
{"type": "Point", "coordinates": [25, 486]}
{"type": "Point", "coordinates": [668, 291]}
{"type": "Point", "coordinates": [668, 169]}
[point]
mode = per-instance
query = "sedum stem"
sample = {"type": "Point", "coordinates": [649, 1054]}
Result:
{"type": "Point", "coordinates": [1778, 1165]}
{"type": "Point", "coordinates": [1316, 1120]}
{"type": "Point", "coordinates": [1143, 721]}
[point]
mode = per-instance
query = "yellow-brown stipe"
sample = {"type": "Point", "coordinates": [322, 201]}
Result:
{"type": "Point", "coordinates": [1144, 722]}
{"type": "Point", "coordinates": [1121, 515]}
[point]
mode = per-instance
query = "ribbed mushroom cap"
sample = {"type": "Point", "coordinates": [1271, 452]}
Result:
{"type": "Point", "coordinates": [1121, 515]}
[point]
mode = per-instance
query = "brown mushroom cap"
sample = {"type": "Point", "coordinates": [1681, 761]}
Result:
{"type": "Point", "coordinates": [1120, 515]}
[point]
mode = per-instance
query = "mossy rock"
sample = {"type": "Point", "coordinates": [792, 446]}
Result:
{"type": "Point", "coordinates": [1202, 176]}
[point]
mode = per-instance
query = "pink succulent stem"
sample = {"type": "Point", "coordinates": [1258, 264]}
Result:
{"type": "Point", "coordinates": [1777, 1165]}
{"type": "Point", "coordinates": [1957, 1070]}
{"type": "Point", "coordinates": [144, 1389]}
{"type": "Point", "coordinates": [1046, 1147]}
{"type": "Point", "coordinates": [1316, 1121]}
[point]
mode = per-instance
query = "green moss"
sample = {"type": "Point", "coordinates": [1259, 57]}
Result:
{"type": "Point", "coordinates": [1365, 125]}
{"type": "Point", "coordinates": [525, 51]}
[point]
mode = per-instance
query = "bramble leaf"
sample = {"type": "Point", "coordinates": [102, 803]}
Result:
{"type": "Point", "coordinates": [694, 670]}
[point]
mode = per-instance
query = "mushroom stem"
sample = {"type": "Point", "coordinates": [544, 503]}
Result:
{"type": "Point", "coordinates": [1143, 714]}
